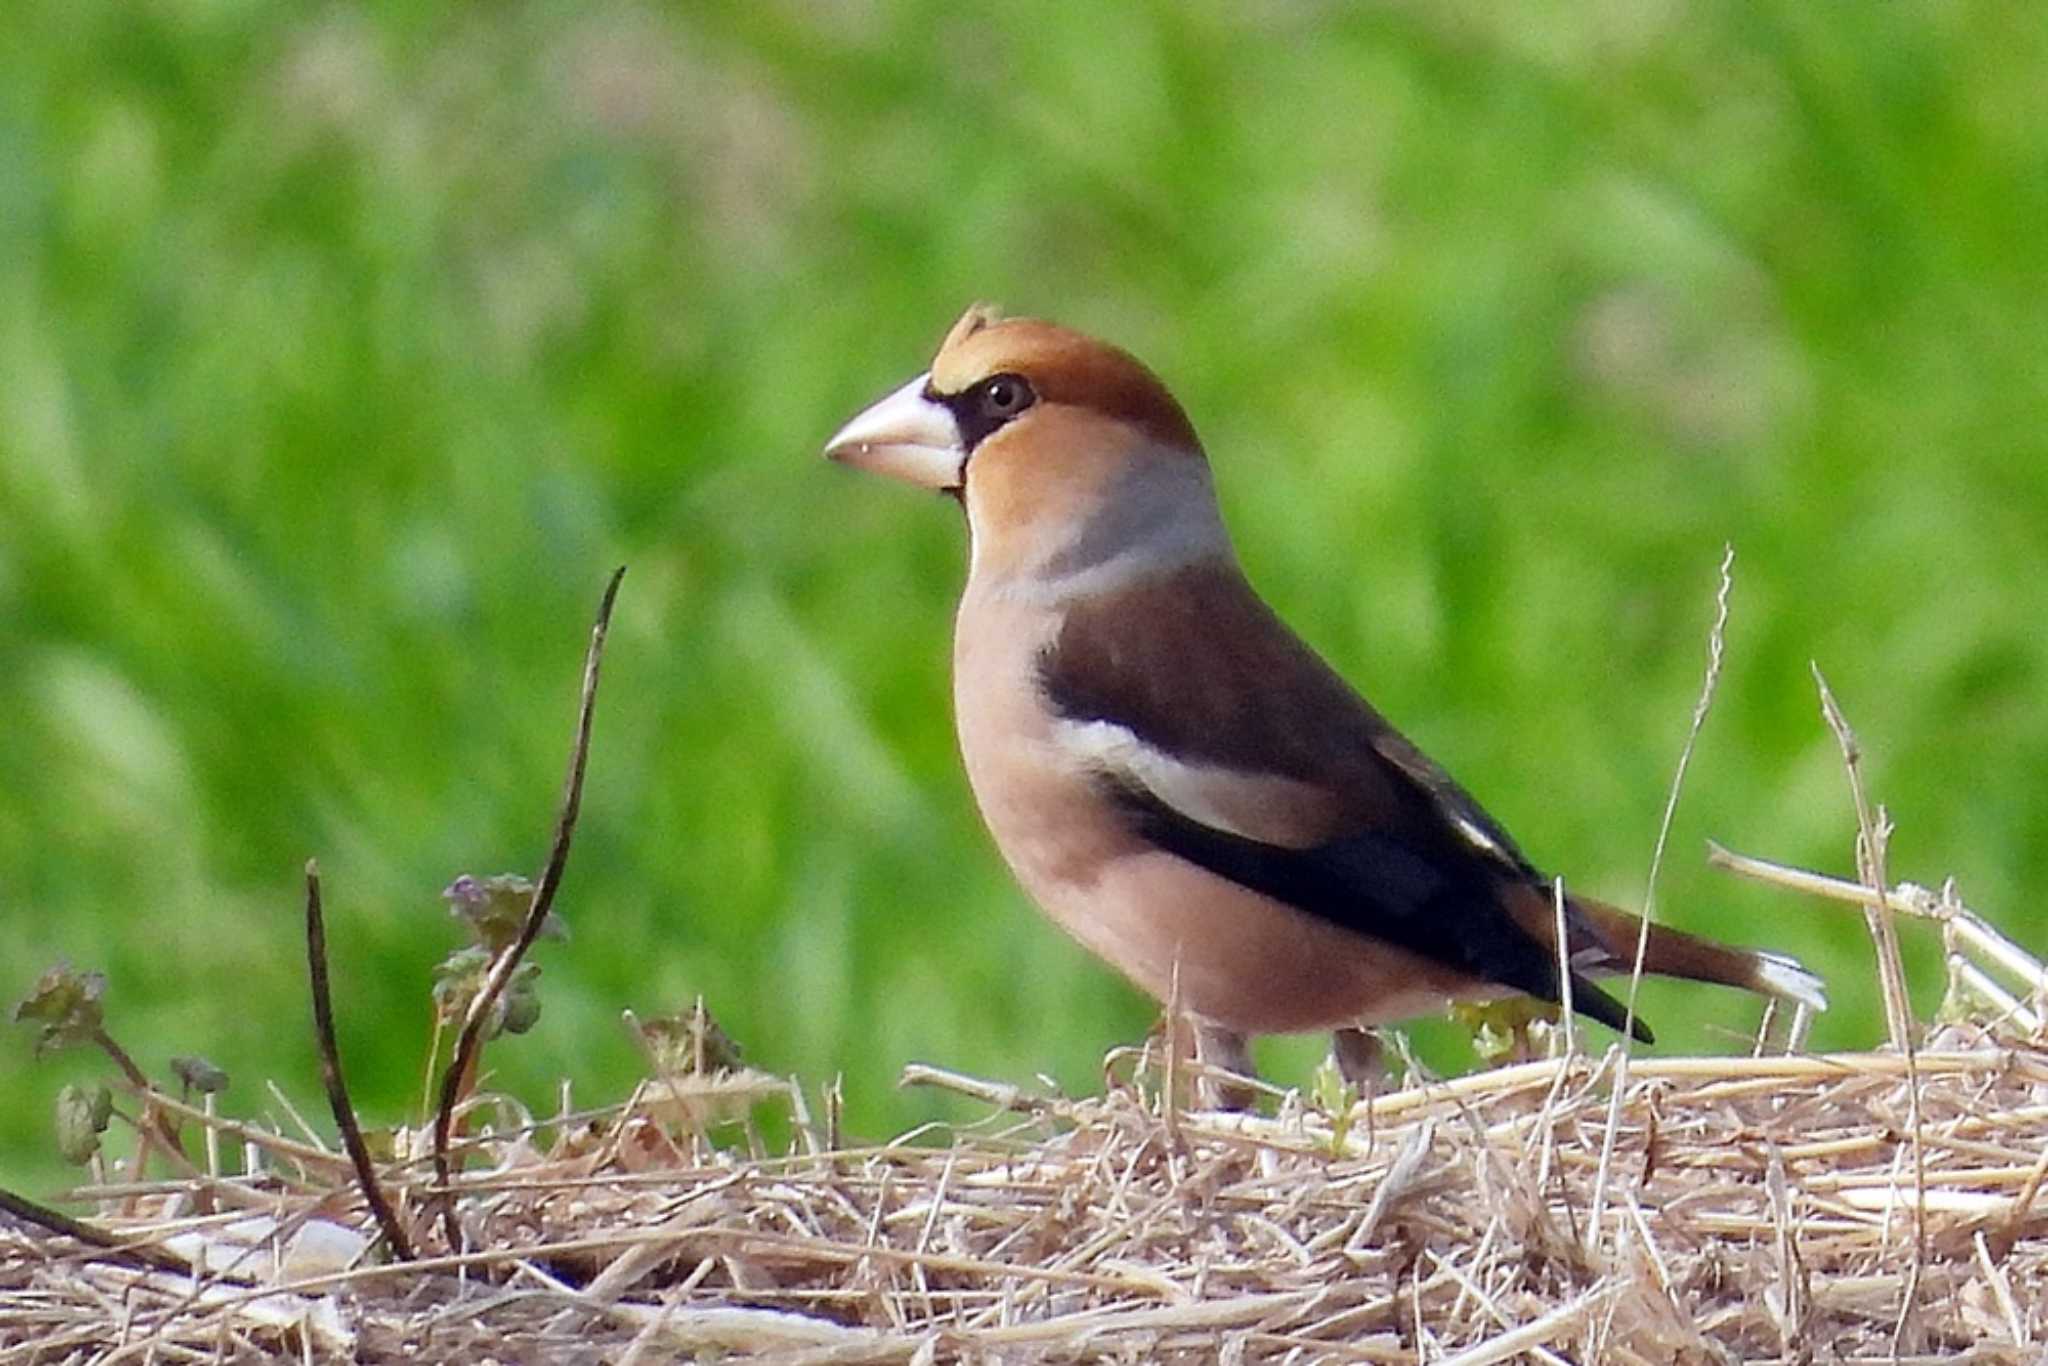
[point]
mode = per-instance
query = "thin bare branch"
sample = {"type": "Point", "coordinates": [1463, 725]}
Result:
{"type": "Point", "coordinates": [331, 1075]}
{"type": "Point", "coordinates": [1002, 1095]}
{"type": "Point", "coordinates": [470, 1041]}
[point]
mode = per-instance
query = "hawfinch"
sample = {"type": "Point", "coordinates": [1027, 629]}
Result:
{"type": "Point", "coordinates": [1176, 779]}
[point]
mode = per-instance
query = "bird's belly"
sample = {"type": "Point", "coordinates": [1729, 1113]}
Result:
{"type": "Point", "coordinates": [1243, 960]}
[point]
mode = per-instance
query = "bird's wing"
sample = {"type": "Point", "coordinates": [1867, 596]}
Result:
{"type": "Point", "coordinates": [1225, 741]}
{"type": "Point", "coordinates": [1457, 806]}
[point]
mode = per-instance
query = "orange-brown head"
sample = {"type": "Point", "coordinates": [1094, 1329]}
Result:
{"type": "Point", "coordinates": [1067, 452]}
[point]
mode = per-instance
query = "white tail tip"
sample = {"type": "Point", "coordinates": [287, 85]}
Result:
{"type": "Point", "coordinates": [1785, 977]}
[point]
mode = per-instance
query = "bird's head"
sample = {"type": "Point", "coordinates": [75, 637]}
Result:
{"type": "Point", "coordinates": [1068, 454]}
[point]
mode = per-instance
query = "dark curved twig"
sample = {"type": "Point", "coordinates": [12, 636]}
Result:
{"type": "Point", "coordinates": [467, 1046]}
{"type": "Point", "coordinates": [102, 1243]}
{"type": "Point", "coordinates": [330, 1073]}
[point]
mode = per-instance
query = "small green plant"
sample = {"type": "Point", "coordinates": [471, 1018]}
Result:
{"type": "Point", "coordinates": [197, 1074]}
{"type": "Point", "coordinates": [492, 909]}
{"type": "Point", "coordinates": [1337, 1098]}
{"type": "Point", "coordinates": [684, 1043]}
{"type": "Point", "coordinates": [66, 1008]}
{"type": "Point", "coordinates": [82, 1117]}
{"type": "Point", "coordinates": [1507, 1030]}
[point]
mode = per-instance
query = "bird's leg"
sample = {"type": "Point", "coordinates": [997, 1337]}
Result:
{"type": "Point", "coordinates": [1357, 1055]}
{"type": "Point", "coordinates": [1224, 1050]}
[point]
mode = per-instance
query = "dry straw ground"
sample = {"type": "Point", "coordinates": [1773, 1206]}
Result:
{"type": "Point", "coordinates": [1780, 1206]}
{"type": "Point", "coordinates": [1882, 1206]}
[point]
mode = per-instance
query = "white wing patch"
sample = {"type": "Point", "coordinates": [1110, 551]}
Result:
{"type": "Point", "coordinates": [1250, 805]}
{"type": "Point", "coordinates": [1117, 750]}
{"type": "Point", "coordinates": [1477, 836]}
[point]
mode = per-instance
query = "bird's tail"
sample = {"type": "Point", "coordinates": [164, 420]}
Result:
{"type": "Point", "coordinates": [1674, 953]}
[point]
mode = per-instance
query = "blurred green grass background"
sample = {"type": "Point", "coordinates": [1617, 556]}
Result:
{"type": "Point", "coordinates": [345, 348]}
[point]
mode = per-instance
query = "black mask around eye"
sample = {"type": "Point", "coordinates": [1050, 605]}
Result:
{"type": "Point", "coordinates": [984, 408]}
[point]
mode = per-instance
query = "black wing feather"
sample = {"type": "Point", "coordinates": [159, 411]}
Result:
{"type": "Point", "coordinates": [1376, 886]}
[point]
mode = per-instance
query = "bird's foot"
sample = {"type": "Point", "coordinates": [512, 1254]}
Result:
{"type": "Point", "coordinates": [1359, 1059]}
{"type": "Point", "coordinates": [1226, 1057]}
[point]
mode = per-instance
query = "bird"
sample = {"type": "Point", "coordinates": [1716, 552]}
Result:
{"type": "Point", "coordinates": [1180, 782]}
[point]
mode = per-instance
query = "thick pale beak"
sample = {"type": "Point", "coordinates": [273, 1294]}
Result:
{"type": "Point", "coordinates": [906, 436]}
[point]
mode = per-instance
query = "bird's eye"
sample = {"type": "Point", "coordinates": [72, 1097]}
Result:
{"type": "Point", "coordinates": [1005, 396]}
